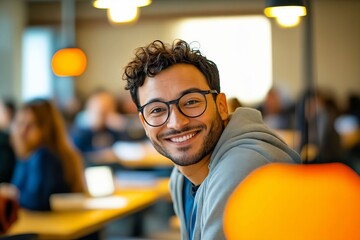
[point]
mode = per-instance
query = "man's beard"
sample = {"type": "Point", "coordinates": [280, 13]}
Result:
{"type": "Point", "coordinates": [208, 145]}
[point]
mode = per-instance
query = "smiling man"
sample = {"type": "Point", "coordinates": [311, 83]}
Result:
{"type": "Point", "coordinates": [177, 92]}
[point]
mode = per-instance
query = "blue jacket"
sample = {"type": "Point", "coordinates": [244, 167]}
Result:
{"type": "Point", "coordinates": [37, 178]}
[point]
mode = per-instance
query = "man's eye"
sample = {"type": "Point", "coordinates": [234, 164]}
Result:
{"type": "Point", "coordinates": [158, 110]}
{"type": "Point", "coordinates": [192, 102]}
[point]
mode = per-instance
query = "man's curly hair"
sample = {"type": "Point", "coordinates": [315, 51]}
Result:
{"type": "Point", "coordinates": [157, 56]}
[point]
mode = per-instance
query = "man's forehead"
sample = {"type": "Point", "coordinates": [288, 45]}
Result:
{"type": "Point", "coordinates": [171, 84]}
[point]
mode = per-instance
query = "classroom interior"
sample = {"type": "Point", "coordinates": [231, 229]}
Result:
{"type": "Point", "coordinates": [254, 53]}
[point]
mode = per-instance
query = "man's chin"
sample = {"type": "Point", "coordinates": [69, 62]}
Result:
{"type": "Point", "coordinates": [180, 157]}
{"type": "Point", "coordinates": [184, 162]}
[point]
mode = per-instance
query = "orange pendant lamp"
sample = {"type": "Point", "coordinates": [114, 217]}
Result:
{"type": "Point", "coordinates": [69, 62]}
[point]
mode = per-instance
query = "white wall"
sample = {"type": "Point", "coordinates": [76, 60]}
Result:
{"type": "Point", "coordinates": [336, 41]}
{"type": "Point", "coordinates": [110, 48]}
{"type": "Point", "coordinates": [12, 23]}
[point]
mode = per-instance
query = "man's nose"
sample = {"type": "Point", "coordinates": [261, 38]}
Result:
{"type": "Point", "coordinates": [176, 119]}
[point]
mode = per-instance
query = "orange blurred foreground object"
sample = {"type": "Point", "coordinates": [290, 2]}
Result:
{"type": "Point", "coordinates": [297, 202]}
{"type": "Point", "coordinates": [69, 62]}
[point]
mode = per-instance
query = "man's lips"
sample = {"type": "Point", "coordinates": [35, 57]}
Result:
{"type": "Point", "coordinates": [182, 138]}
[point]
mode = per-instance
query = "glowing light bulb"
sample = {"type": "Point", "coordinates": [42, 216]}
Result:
{"type": "Point", "coordinates": [123, 12]}
{"type": "Point", "coordinates": [288, 20]}
{"type": "Point", "coordinates": [287, 16]}
{"type": "Point", "coordinates": [104, 4]}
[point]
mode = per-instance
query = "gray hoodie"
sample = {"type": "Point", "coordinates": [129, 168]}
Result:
{"type": "Point", "coordinates": [245, 145]}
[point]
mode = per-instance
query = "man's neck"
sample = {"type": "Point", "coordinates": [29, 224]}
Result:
{"type": "Point", "coordinates": [197, 172]}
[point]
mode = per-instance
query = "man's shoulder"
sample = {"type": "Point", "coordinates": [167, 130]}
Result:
{"type": "Point", "coordinates": [247, 113]}
{"type": "Point", "coordinates": [239, 159]}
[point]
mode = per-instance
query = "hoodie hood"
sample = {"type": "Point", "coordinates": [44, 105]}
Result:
{"type": "Point", "coordinates": [247, 129]}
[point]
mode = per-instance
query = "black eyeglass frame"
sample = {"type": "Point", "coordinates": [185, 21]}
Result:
{"type": "Point", "coordinates": [176, 102]}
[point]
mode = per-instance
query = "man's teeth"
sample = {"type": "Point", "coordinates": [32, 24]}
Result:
{"type": "Point", "coordinates": [183, 138]}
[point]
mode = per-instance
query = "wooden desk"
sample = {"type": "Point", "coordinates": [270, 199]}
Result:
{"type": "Point", "coordinates": [154, 160]}
{"type": "Point", "coordinates": [140, 155]}
{"type": "Point", "coordinates": [75, 224]}
{"type": "Point", "coordinates": [145, 156]}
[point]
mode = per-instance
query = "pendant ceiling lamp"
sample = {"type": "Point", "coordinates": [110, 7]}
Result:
{"type": "Point", "coordinates": [286, 12]}
{"type": "Point", "coordinates": [121, 11]}
{"type": "Point", "coordinates": [104, 4]}
{"type": "Point", "coordinates": [69, 62]}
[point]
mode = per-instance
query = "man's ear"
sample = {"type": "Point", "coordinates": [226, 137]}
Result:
{"type": "Point", "coordinates": [142, 120]}
{"type": "Point", "coordinates": [222, 106]}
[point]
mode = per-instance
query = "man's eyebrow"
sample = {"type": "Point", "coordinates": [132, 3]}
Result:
{"type": "Point", "coordinates": [189, 91]}
{"type": "Point", "coordinates": [155, 100]}
{"type": "Point", "coordinates": [180, 94]}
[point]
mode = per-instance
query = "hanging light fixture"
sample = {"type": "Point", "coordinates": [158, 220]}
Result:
{"type": "Point", "coordinates": [121, 11]}
{"type": "Point", "coordinates": [69, 62]}
{"type": "Point", "coordinates": [286, 12]}
{"type": "Point", "coordinates": [104, 4]}
{"type": "Point", "coordinates": [142, 3]}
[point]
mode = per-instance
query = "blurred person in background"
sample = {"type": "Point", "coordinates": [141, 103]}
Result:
{"type": "Point", "coordinates": [8, 196]}
{"type": "Point", "coordinates": [95, 127]}
{"type": "Point", "coordinates": [100, 126]}
{"type": "Point", "coordinates": [69, 110]}
{"type": "Point", "coordinates": [7, 111]}
{"type": "Point", "coordinates": [233, 104]}
{"type": "Point", "coordinates": [353, 105]}
{"type": "Point", "coordinates": [320, 143]}
{"type": "Point", "coordinates": [134, 130]}
{"type": "Point", "coordinates": [7, 156]}
{"type": "Point", "coordinates": [46, 161]}
{"type": "Point", "coordinates": [348, 127]}
{"type": "Point", "coordinates": [277, 109]}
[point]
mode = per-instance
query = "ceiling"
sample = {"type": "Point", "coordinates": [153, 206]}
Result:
{"type": "Point", "coordinates": [49, 11]}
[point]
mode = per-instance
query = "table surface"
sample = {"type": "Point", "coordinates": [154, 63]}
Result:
{"type": "Point", "coordinates": [75, 224]}
{"type": "Point", "coordinates": [152, 160]}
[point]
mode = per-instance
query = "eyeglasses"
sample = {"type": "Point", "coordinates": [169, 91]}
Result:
{"type": "Point", "coordinates": [191, 104]}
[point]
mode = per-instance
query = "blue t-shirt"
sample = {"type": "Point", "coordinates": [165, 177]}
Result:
{"type": "Point", "coordinates": [189, 192]}
{"type": "Point", "coordinates": [37, 178]}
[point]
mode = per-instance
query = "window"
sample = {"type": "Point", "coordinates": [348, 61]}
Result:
{"type": "Point", "coordinates": [36, 74]}
{"type": "Point", "coordinates": [241, 48]}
